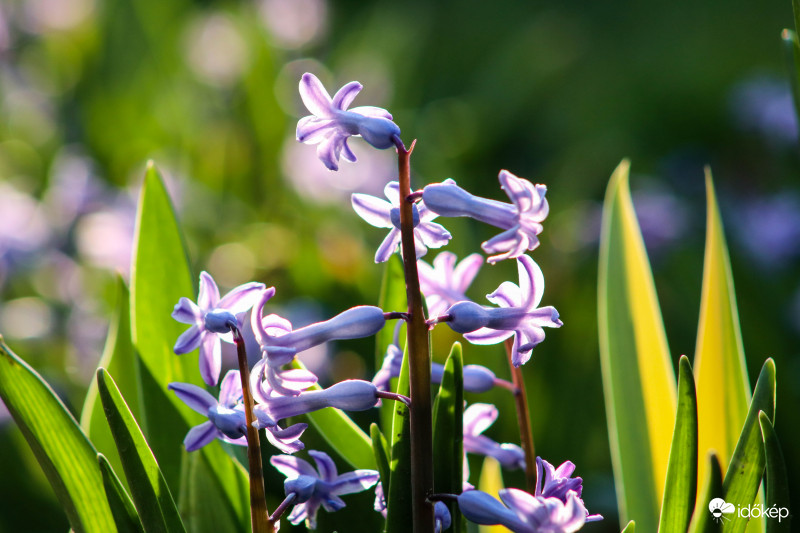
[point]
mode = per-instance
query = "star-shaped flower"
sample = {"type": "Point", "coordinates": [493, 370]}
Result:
{"type": "Point", "coordinates": [318, 487]}
{"type": "Point", "coordinates": [518, 314]}
{"type": "Point", "coordinates": [445, 283]}
{"type": "Point", "coordinates": [558, 483]}
{"type": "Point", "coordinates": [209, 318]}
{"type": "Point", "coordinates": [226, 418]}
{"type": "Point", "coordinates": [383, 214]}
{"type": "Point", "coordinates": [477, 418]}
{"type": "Point", "coordinates": [330, 123]}
{"type": "Point", "coordinates": [522, 219]}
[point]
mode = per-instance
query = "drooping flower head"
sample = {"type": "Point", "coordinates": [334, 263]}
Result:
{"type": "Point", "coordinates": [226, 418]}
{"type": "Point", "coordinates": [210, 317]}
{"type": "Point", "coordinates": [518, 314]}
{"type": "Point", "coordinates": [330, 123]}
{"type": "Point", "coordinates": [318, 487]}
{"type": "Point", "coordinates": [522, 219]}
{"type": "Point", "coordinates": [558, 483]}
{"type": "Point", "coordinates": [445, 283]}
{"type": "Point", "coordinates": [477, 419]}
{"type": "Point", "coordinates": [383, 214]}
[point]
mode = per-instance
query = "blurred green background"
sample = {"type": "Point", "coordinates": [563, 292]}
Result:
{"type": "Point", "coordinates": [557, 92]}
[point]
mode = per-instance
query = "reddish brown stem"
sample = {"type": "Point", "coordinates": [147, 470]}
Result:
{"type": "Point", "coordinates": [523, 419]}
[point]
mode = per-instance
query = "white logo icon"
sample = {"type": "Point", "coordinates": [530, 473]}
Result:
{"type": "Point", "coordinates": [719, 508]}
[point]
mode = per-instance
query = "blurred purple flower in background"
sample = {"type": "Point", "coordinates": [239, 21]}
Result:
{"type": "Point", "coordinates": [764, 105]}
{"type": "Point", "coordinates": [770, 229]}
{"type": "Point", "coordinates": [477, 419]}
{"type": "Point", "coordinates": [383, 214]}
{"type": "Point", "coordinates": [445, 283]}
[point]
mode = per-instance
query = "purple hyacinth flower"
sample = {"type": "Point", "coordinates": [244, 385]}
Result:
{"type": "Point", "coordinates": [226, 418]}
{"type": "Point", "coordinates": [522, 219]}
{"type": "Point", "coordinates": [279, 343]}
{"type": "Point", "coordinates": [383, 214]}
{"type": "Point", "coordinates": [441, 517]}
{"type": "Point", "coordinates": [330, 123]}
{"type": "Point", "coordinates": [392, 363]}
{"type": "Point", "coordinates": [348, 395]}
{"type": "Point", "coordinates": [558, 483]}
{"type": "Point", "coordinates": [477, 418]}
{"type": "Point", "coordinates": [319, 487]}
{"type": "Point", "coordinates": [522, 512]}
{"type": "Point", "coordinates": [517, 315]}
{"type": "Point", "coordinates": [445, 283]}
{"type": "Point", "coordinates": [209, 318]}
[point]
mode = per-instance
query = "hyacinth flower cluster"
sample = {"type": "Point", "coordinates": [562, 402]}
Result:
{"type": "Point", "coordinates": [275, 390]}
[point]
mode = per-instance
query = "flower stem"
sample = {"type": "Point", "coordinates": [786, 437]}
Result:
{"type": "Point", "coordinates": [419, 362]}
{"type": "Point", "coordinates": [259, 514]}
{"type": "Point", "coordinates": [523, 418]}
{"type": "Point", "coordinates": [282, 507]}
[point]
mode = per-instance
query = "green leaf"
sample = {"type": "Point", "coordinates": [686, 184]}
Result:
{"type": "Point", "coordinates": [149, 489]}
{"type": "Point", "coordinates": [341, 433]}
{"type": "Point", "coordinates": [723, 390]}
{"type": "Point", "coordinates": [746, 468]}
{"type": "Point", "coordinates": [792, 47]}
{"type": "Point", "coordinates": [119, 358]}
{"type": "Point", "coordinates": [392, 298]}
{"type": "Point", "coordinates": [702, 520]}
{"type": "Point", "coordinates": [630, 528]}
{"type": "Point", "coordinates": [680, 488]}
{"type": "Point", "coordinates": [380, 449]}
{"type": "Point", "coordinates": [448, 432]}
{"type": "Point", "coordinates": [777, 480]}
{"type": "Point", "coordinates": [64, 452]}
{"type": "Point", "coordinates": [491, 482]}
{"type": "Point", "coordinates": [122, 507]}
{"type": "Point", "coordinates": [160, 277]}
{"type": "Point", "coordinates": [399, 496]}
{"type": "Point", "coordinates": [638, 378]}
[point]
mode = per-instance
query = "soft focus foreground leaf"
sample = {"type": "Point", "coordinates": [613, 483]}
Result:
{"type": "Point", "coordinates": [341, 433]}
{"type": "Point", "coordinates": [215, 494]}
{"type": "Point", "coordinates": [491, 481]}
{"type": "Point", "coordinates": [149, 489]}
{"type": "Point", "coordinates": [702, 520]}
{"type": "Point", "coordinates": [792, 47]}
{"type": "Point", "coordinates": [746, 468]}
{"type": "Point", "coordinates": [65, 454]}
{"type": "Point", "coordinates": [638, 378]}
{"type": "Point", "coordinates": [723, 390]}
{"type": "Point", "coordinates": [630, 528]}
{"type": "Point", "coordinates": [119, 359]}
{"type": "Point", "coordinates": [122, 507]}
{"type": "Point", "coordinates": [380, 449]}
{"type": "Point", "coordinates": [448, 432]}
{"type": "Point", "coordinates": [160, 276]}
{"type": "Point", "coordinates": [399, 496]}
{"type": "Point", "coordinates": [777, 480]}
{"type": "Point", "coordinates": [392, 298]}
{"type": "Point", "coordinates": [680, 487]}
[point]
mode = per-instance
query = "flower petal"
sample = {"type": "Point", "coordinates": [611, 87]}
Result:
{"type": "Point", "coordinates": [329, 149]}
{"type": "Point", "coordinates": [315, 97]}
{"type": "Point", "coordinates": [433, 235]}
{"type": "Point", "coordinates": [292, 467]}
{"type": "Point", "coordinates": [372, 111]}
{"type": "Point", "coordinates": [210, 358]}
{"type": "Point", "coordinates": [373, 210]}
{"type": "Point", "coordinates": [187, 312]}
{"type": "Point", "coordinates": [478, 417]}
{"type": "Point", "coordinates": [506, 295]}
{"type": "Point", "coordinates": [209, 293]}
{"type": "Point", "coordinates": [188, 341]}
{"type": "Point", "coordinates": [325, 465]}
{"type": "Point", "coordinates": [484, 336]}
{"type": "Point", "coordinates": [347, 153]}
{"type": "Point", "coordinates": [312, 130]}
{"type": "Point", "coordinates": [355, 481]}
{"type": "Point", "coordinates": [230, 390]}
{"type": "Point", "coordinates": [388, 246]}
{"type": "Point", "coordinates": [531, 282]}
{"type": "Point", "coordinates": [345, 96]}
{"type": "Point", "coordinates": [392, 192]}
{"type": "Point", "coordinates": [298, 514]}
{"type": "Point", "coordinates": [199, 436]}
{"type": "Point", "coordinates": [243, 297]}
{"type": "Point", "coordinates": [466, 271]}
{"type": "Point", "coordinates": [519, 501]}
{"type": "Point", "coordinates": [195, 397]}
{"type": "Point", "coordinates": [333, 503]}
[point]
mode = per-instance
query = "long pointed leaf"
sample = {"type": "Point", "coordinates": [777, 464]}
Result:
{"type": "Point", "coordinates": [680, 487]}
{"type": "Point", "coordinates": [341, 433]}
{"type": "Point", "coordinates": [122, 507]}
{"type": "Point", "coordinates": [777, 480]}
{"type": "Point", "coordinates": [64, 452]}
{"type": "Point", "coordinates": [723, 390]}
{"type": "Point", "coordinates": [448, 432]}
{"type": "Point", "coordinates": [491, 482]}
{"type": "Point", "coordinates": [149, 489]}
{"type": "Point", "coordinates": [630, 528]}
{"type": "Point", "coordinates": [638, 378]}
{"type": "Point", "coordinates": [380, 449]}
{"type": "Point", "coordinates": [746, 467]}
{"type": "Point", "coordinates": [702, 520]}
{"type": "Point", "coordinates": [399, 497]}
{"type": "Point", "coordinates": [392, 298]}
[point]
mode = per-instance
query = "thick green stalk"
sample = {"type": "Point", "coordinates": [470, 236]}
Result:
{"type": "Point", "coordinates": [259, 515]}
{"type": "Point", "coordinates": [523, 419]}
{"type": "Point", "coordinates": [419, 362]}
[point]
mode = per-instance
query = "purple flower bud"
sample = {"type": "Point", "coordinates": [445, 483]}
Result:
{"type": "Point", "coordinates": [477, 378]}
{"type": "Point", "coordinates": [441, 517]}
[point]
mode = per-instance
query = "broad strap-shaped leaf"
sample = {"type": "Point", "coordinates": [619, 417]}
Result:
{"type": "Point", "coordinates": [638, 378]}
{"type": "Point", "coordinates": [703, 521]}
{"type": "Point", "coordinates": [122, 507]}
{"type": "Point", "coordinates": [680, 486]}
{"type": "Point", "coordinates": [491, 482]}
{"type": "Point", "coordinates": [149, 490]}
{"type": "Point", "coordinates": [160, 276]}
{"type": "Point", "coordinates": [399, 496]}
{"type": "Point", "coordinates": [746, 467]}
{"type": "Point", "coordinates": [381, 450]}
{"type": "Point", "coordinates": [630, 528]}
{"type": "Point", "coordinates": [119, 358]}
{"type": "Point", "coordinates": [448, 432]}
{"type": "Point", "coordinates": [64, 452]}
{"type": "Point", "coordinates": [341, 433]}
{"type": "Point", "coordinates": [723, 390]}
{"type": "Point", "coordinates": [777, 480]}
